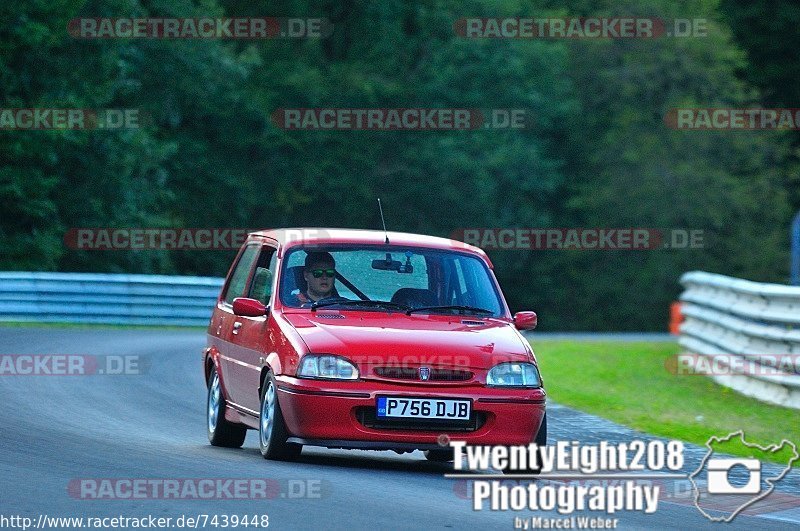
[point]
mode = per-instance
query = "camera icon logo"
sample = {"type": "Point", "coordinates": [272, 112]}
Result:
{"type": "Point", "coordinates": [719, 476]}
{"type": "Point", "coordinates": [737, 475]}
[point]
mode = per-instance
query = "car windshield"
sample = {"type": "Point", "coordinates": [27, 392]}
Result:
{"type": "Point", "coordinates": [438, 281]}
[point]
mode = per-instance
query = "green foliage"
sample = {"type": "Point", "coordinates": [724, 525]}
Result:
{"type": "Point", "coordinates": [630, 170]}
{"type": "Point", "coordinates": [766, 32]}
{"type": "Point", "coordinates": [597, 154]}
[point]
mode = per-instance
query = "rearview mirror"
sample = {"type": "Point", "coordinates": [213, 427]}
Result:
{"type": "Point", "coordinates": [248, 307]}
{"type": "Point", "coordinates": [393, 265]}
{"type": "Point", "coordinates": [526, 320]}
{"type": "Point", "coordinates": [387, 265]}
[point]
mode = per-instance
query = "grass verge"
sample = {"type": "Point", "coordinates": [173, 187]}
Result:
{"type": "Point", "coordinates": [630, 384]}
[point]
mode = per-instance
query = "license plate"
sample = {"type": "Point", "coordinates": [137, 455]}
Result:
{"type": "Point", "coordinates": [424, 408]}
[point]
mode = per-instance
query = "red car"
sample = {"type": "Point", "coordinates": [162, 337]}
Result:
{"type": "Point", "coordinates": [368, 340]}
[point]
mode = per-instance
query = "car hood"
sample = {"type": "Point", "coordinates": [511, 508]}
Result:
{"type": "Point", "coordinates": [396, 339]}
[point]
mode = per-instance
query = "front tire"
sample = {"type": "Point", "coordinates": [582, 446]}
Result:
{"type": "Point", "coordinates": [439, 456]}
{"type": "Point", "coordinates": [272, 432]}
{"type": "Point", "coordinates": [221, 432]}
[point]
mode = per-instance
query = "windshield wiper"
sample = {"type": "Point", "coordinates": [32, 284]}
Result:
{"type": "Point", "coordinates": [462, 309]}
{"type": "Point", "coordinates": [368, 302]}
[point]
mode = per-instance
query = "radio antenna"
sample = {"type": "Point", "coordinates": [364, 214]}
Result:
{"type": "Point", "coordinates": [380, 208]}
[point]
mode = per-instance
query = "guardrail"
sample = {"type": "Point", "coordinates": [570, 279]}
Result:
{"type": "Point", "coordinates": [739, 323]}
{"type": "Point", "coordinates": [107, 298]}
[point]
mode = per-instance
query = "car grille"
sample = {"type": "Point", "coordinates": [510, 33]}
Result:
{"type": "Point", "coordinates": [412, 373]}
{"type": "Point", "coordinates": [367, 417]}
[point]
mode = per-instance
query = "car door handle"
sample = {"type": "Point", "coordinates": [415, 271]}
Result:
{"type": "Point", "coordinates": [236, 326]}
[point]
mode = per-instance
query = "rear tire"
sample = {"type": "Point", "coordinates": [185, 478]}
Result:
{"type": "Point", "coordinates": [541, 440]}
{"type": "Point", "coordinates": [221, 432]}
{"type": "Point", "coordinates": [272, 432]}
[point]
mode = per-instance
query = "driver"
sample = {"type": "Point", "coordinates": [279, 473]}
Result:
{"type": "Point", "coordinates": [320, 275]}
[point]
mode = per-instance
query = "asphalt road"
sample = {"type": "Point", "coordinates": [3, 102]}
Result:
{"type": "Point", "coordinates": [59, 430]}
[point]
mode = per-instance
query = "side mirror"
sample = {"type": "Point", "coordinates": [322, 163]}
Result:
{"type": "Point", "coordinates": [248, 307]}
{"type": "Point", "coordinates": [523, 320]}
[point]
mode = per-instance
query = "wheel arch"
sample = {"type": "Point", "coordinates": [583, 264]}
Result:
{"type": "Point", "coordinates": [272, 365]}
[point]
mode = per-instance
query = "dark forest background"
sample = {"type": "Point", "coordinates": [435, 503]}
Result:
{"type": "Point", "coordinates": [598, 153]}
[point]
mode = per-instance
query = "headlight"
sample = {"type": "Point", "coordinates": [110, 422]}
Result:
{"type": "Point", "coordinates": [514, 375]}
{"type": "Point", "coordinates": [326, 366]}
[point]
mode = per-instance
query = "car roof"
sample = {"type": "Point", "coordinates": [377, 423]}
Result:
{"type": "Point", "coordinates": [289, 237]}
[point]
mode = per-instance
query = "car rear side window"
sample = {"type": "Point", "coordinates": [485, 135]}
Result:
{"type": "Point", "coordinates": [241, 273]}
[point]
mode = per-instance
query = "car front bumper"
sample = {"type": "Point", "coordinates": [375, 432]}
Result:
{"type": "Point", "coordinates": [341, 414]}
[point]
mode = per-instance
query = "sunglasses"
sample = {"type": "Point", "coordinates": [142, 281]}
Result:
{"type": "Point", "coordinates": [330, 273]}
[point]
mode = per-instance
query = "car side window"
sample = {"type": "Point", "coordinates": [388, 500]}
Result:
{"type": "Point", "coordinates": [261, 286]}
{"type": "Point", "coordinates": [241, 273]}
